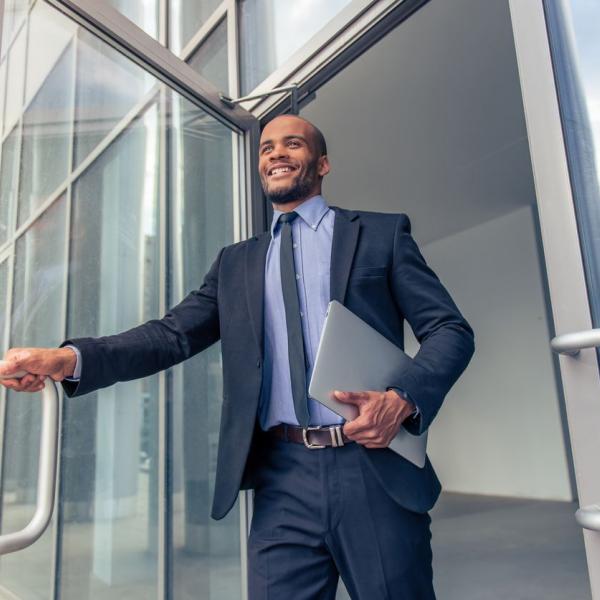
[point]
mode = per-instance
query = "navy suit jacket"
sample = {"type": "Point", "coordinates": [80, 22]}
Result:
{"type": "Point", "coordinates": [377, 271]}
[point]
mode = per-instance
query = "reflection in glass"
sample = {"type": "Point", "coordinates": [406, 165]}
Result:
{"type": "Point", "coordinates": [14, 13]}
{"type": "Point", "coordinates": [9, 164]}
{"type": "Point", "coordinates": [108, 85]}
{"type": "Point", "coordinates": [272, 30]}
{"type": "Point", "coordinates": [46, 138]}
{"type": "Point", "coordinates": [206, 553]}
{"type": "Point", "coordinates": [15, 81]}
{"type": "Point", "coordinates": [143, 13]}
{"type": "Point", "coordinates": [35, 321]}
{"type": "Point", "coordinates": [56, 31]}
{"type": "Point", "coordinates": [109, 453]}
{"type": "Point", "coordinates": [210, 60]}
{"type": "Point", "coordinates": [3, 299]}
{"type": "Point", "coordinates": [185, 18]}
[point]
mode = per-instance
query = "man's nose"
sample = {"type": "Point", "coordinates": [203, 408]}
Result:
{"type": "Point", "coordinates": [279, 150]}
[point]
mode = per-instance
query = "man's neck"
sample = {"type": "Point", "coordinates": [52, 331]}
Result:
{"type": "Point", "coordinates": [293, 204]}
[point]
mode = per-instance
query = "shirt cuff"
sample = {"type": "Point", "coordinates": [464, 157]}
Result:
{"type": "Point", "coordinates": [77, 372]}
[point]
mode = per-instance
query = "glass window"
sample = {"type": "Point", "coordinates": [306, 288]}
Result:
{"type": "Point", "coordinates": [3, 290]}
{"type": "Point", "coordinates": [573, 28]}
{"type": "Point", "coordinates": [47, 24]}
{"type": "Point", "coordinates": [272, 30]}
{"type": "Point", "coordinates": [108, 86]}
{"type": "Point", "coordinates": [46, 138]}
{"type": "Point", "coordinates": [14, 13]}
{"type": "Point", "coordinates": [37, 302]}
{"type": "Point", "coordinates": [185, 18]}
{"type": "Point", "coordinates": [16, 79]}
{"type": "Point", "coordinates": [2, 94]}
{"type": "Point", "coordinates": [210, 59]}
{"type": "Point", "coordinates": [109, 533]}
{"type": "Point", "coordinates": [144, 14]}
{"type": "Point", "coordinates": [9, 165]}
{"type": "Point", "coordinates": [205, 552]}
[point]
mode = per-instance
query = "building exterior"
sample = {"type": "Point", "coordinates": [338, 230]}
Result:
{"type": "Point", "coordinates": [123, 172]}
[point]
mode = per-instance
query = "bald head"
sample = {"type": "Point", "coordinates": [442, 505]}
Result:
{"type": "Point", "coordinates": [317, 138]}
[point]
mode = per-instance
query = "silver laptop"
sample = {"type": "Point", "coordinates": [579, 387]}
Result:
{"type": "Point", "coordinates": [352, 356]}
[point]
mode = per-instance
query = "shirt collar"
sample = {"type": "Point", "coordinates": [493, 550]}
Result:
{"type": "Point", "coordinates": [311, 211]}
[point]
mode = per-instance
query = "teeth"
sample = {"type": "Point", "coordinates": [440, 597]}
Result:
{"type": "Point", "coordinates": [280, 170]}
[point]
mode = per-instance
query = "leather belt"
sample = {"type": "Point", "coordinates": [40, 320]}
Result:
{"type": "Point", "coordinates": [312, 437]}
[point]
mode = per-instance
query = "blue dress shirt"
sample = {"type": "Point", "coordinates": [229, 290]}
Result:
{"type": "Point", "coordinates": [312, 235]}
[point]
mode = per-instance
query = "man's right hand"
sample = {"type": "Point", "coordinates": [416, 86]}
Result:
{"type": "Point", "coordinates": [39, 363]}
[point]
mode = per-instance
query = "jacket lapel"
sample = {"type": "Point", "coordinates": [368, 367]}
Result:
{"type": "Point", "coordinates": [256, 256]}
{"type": "Point", "coordinates": [345, 237]}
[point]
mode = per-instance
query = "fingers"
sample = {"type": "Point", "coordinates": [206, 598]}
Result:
{"type": "Point", "coordinates": [28, 383]}
{"type": "Point", "coordinates": [356, 398]}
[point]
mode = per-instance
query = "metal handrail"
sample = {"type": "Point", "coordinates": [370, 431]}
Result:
{"type": "Point", "coordinates": [589, 517]}
{"type": "Point", "coordinates": [572, 343]}
{"type": "Point", "coordinates": [46, 484]}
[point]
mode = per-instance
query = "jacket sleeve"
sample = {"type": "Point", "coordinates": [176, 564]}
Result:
{"type": "Point", "coordinates": [188, 328]}
{"type": "Point", "coordinates": [446, 339]}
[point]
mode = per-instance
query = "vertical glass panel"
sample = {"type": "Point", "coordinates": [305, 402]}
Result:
{"type": "Point", "coordinates": [109, 452]}
{"type": "Point", "coordinates": [3, 299]}
{"type": "Point", "coordinates": [185, 18]}
{"type": "Point", "coordinates": [2, 94]}
{"type": "Point", "coordinates": [575, 42]}
{"type": "Point", "coordinates": [38, 295]}
{"type": "Point", "coordinates": [108, 85]}
{"type": "Point", "coordinates": [210, 59]}
{"type": "Point", "coordinates": [56, 31]}
{"type": "Point", "coordinates": [205, 552]}
{"type": "Point", "coordinates": [14, 13]}
{"type": "Point", "coordinates": [46, 138]}
{"type": "Point", "coordinates": [143, 13]}
{"type": "Point", "coordinates": [9, 164]}
{"type": "Point", "coordinates": [272, 30]}
{"type": "Point", "coordinates": [15, 80]}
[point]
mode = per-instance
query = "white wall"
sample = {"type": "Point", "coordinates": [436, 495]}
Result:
{"type": "Point", "coordinates": [499, 431]}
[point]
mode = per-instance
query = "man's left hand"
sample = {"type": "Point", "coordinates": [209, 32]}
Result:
{"type": "Point", "coordinates": [380, 416]}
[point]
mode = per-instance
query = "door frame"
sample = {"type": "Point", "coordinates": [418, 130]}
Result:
{"type": "Point", "coordinates": [557, 219]}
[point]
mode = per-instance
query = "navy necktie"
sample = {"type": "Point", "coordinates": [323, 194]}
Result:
{"type": "Point", "coordinates": [292, 317]}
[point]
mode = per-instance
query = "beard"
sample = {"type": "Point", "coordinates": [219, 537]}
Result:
{"type": "Point", "coordinates": [300, 187]}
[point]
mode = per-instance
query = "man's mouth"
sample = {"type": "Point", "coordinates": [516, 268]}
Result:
{"type": "Point", "coordinates": [282, 170]}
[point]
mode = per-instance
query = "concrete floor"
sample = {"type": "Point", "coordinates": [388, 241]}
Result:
{"type": "Point", "coordinates": [490, 548]}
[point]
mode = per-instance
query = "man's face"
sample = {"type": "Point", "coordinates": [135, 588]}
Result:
{"type": "Point", "coordinates": [288, 164]}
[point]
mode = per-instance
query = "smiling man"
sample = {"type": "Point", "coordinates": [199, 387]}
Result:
{"type": "Point", "coordinates": [352, 507]}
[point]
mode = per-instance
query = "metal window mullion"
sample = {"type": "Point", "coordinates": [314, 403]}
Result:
{"type": "Point", "coordinates": [9, 304]}
{"type": "Point", "coordinates": [110, 25]}
{"type": "Point", "coordinates": [205, 30]}
{"type": "Point", "coordinates": [57, 537]}
{"type": "Point", "coordinates": [164, 493]}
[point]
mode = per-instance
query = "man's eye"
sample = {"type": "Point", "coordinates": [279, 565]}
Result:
{"type": "Point", "coordinates": [265, 148]}
{"type": "Point", "coordinates": [292, 143]}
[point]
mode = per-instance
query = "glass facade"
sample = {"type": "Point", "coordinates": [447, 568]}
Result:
{"type": "Point", "coordinates": [573, 29]}
{"type": "Point", "coordinates": [116, 196]}
{"type": "Point", "coordinates": [271, 31]}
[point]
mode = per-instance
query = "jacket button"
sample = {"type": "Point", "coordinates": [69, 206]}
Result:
{"type": "Point", "coordinates": [258, 364]}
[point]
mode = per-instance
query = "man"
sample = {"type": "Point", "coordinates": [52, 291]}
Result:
{"type": "Point", "coordinates": [356, 509]}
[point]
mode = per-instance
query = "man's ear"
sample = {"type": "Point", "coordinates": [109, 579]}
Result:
{"type": "Point", "coordinates": [323, 166]}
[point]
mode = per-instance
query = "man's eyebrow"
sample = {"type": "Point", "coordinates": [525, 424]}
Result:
{"type": "Point", "coordinates": [287, 137]}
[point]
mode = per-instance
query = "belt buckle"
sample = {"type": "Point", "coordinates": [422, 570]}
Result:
{"type": "Point", "coordinates": [307, 443]}
{"type": "Point", "coordinates": [337, 439]}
